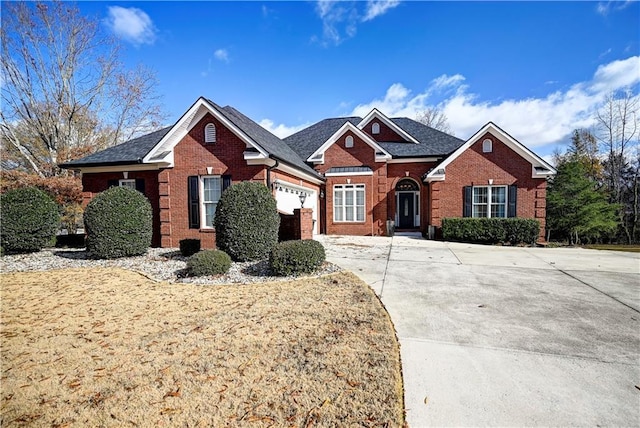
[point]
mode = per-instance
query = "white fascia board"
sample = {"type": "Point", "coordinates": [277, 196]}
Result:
{"type": "Point", "coordinates": [195, 113]}
{"type": "Point", "coordinates": [300, 174]}
{"type": "Point", "coordinates": [507, 139]}
{"type": "Point", "coordinates": [375, 113]}
{"type": "Point", "coordinates": [348, 126]}
{"type": "Point", "coordinates": [346, 174]}
{"type": "Point", "coordinates": [122, 168]}
{"type": "Point", "coordinates": [283, 183]}
{"type": "Point", "coordinates": [414, 160]}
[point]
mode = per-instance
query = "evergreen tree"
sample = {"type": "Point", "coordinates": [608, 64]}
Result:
{"type": "Point", "coordinates": [577, 209]}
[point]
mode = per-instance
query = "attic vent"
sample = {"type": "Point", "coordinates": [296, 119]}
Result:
{"type": "Point", "coordinates": [487, 146]}
{"type": "Point", "coordinates": [210, 133]}
{"type": "Point", "coordinates": [375, 128]}
{"type": "Point", "coordinates": [348, 142]}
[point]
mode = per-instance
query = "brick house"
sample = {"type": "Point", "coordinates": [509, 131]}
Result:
{"type": "Point", "coordinates": [355, 173]}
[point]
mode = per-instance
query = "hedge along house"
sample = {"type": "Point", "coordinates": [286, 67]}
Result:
{"type": "Point", "coordinates": [356, 173]}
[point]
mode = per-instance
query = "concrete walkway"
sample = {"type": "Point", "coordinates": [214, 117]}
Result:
{"type": "Point", "coordinates": [500, 336]}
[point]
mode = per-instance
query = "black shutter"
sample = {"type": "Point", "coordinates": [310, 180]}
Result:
{"type": "Point", "coordinates": [513, 201]}
{"type": "Point", "coordinates": [226, 182]}
{"type": "Point", "coordinates": [140, 185]}
{"type": "Point", "coordinates": [468, 198]}
{"type": "Point", "coordinates": [194, 202]}
{"type": "Point", "coordinates": [113, 183]}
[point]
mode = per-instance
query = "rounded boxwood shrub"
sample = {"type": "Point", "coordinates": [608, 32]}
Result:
{"type": "Point", "coordinates": [188, 247]}
{"type": "Point", "coordinates": [30, 220]}
{"type": "Point", "coordinates": [247, 221]}
{"type": "Point", "coordinates": [296, 257]}
{"type": "Point", "coordinates": [118, 223]}
{"type": "Point", "coordinates": [208, 262]}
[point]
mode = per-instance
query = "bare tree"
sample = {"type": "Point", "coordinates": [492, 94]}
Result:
{"type": "Point", "coordinates": [64, 92]}
{"type": "Point", "coordinates": [617, 125]}
{"type": "Point", "coordinates": [435, 118]}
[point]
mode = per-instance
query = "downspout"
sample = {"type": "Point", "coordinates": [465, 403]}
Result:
{"type": "Point", "coordinates": [277, 164]}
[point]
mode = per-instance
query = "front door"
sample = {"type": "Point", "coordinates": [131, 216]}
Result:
{"type": "Point", "coordinates": [406, 214]}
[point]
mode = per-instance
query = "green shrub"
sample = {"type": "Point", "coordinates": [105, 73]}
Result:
{"type": "Point", "coordinates": [188, 247]}
{"type": "Point", "coordinates": [30, 219]}
{"type": "Point", "coordinates": [118, 223]}
{"type": "Point", "coordinates": [247, 221]}
{"type": "Point", "coordinates": [296, 257]}
{"type": "Point", "coordinates": [208, 262]}
{"type": "Point", "coordinates": [491, 230]}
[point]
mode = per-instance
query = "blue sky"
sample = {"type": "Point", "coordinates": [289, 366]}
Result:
{"type": "Point", "coordinates": [537, 69]}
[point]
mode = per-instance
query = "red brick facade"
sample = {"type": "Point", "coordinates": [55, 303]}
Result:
{"type": "Point", "coordinates": [167, 189]}
{"type": "Point", "coordinates": [474, 168]}
{"type": "Point", "coordinates": [432, 200]}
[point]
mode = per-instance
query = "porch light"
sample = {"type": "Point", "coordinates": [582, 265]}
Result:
{"type": "Point", "coordinates": [302, 197]}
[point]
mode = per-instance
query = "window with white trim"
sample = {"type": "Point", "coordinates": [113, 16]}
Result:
{"type": "Point", "coordinates": [348, 202]}
{"type": "Point", "coordinates": [211, 191]}
{"type": "Point", "coordinates": [348, 142]}
{"type": "Point", "coordinates": [375, 128]}
{"type": "Point", "coordinates": [489, 201]}
{"type": "Point", "coordinates": [130, 183]}
{"type": "Point", "coordinates": [210, 133]}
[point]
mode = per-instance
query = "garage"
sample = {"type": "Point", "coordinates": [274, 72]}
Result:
{"type": "Point", "coordinates": [288, 198]}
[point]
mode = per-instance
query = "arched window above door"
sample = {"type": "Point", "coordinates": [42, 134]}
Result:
{"type": "Point", "coordinates": [407, 186]}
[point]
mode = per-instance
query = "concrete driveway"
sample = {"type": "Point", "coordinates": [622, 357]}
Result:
{"type": "Point", "coordinates": [505, 336]}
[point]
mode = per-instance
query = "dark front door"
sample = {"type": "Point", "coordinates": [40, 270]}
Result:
{"type": "Point", "coordinates": [406, 211]}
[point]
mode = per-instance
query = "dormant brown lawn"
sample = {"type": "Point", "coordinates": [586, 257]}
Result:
{"type": "Point", "coordinates": [108, 347]}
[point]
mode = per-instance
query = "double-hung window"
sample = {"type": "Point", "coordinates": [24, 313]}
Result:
{"type": "Point", "coordinates": [211, 191]}
{"type": "Point", "coordinates": [489, 201]}
{"type": "Point", "coordinates": [203, 194]}
{"type": "Point", "coordinates": [348, 203]}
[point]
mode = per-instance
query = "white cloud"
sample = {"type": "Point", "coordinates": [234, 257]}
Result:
{"type": "Point", "coordinates": [536, 122]}
{"type": "Point", "coordinates": [281, 130]}
{"type": "Point", "coordinates": [131, 24]}
{"type": "Point", "coordinates": [221, 55]}
{"type": "Point", "coordinates": [340, 19]}
{"type": "Point", "coordinates": [605, 7]}
{"type": "Point", "coordinates": [378, 7]}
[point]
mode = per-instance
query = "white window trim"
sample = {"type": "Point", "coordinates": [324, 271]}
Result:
{"type": "Point", "coordinates": [375, 128]}
{"type": "Point", "coordinates": [203, 211]}
{"type": "Point", "coordinates": [207, 133]}
{"type": "Point", "coordinates": [127, 182]}
{"type": "Point", "coordinates": [489, 204]}
{"type": "Point", "coordinates": [354, 188]}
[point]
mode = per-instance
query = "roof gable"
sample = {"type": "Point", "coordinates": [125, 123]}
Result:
{"type": "Point", "coordinates": [188, 120]}
{"type": "Point", "coordinates": [539, 167]}
{"type": "Point", "coordinates": [318, 155]}
{"type": "Point", "coordinates": [376, 114]}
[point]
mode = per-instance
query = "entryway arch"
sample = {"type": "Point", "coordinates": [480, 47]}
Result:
{"type": "Point", "coordinates": [407, 204]}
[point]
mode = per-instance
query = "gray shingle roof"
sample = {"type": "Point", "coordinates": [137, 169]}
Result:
{"type": "Point", "coordinates": [431, 141]}
{"type": "Point", "coordinates": [129, 152]}
{"type": "Point", "coordinates": [308, 140]}
{"type": "Point", "coordinates": [348, 169]}
{"type": "Point", "coordinates": [266, 140]}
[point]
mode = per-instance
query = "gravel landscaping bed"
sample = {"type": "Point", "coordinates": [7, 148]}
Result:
{"type": "Point", "coordinates": [160, 264]}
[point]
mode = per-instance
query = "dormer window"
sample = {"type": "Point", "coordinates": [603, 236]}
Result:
{"type": "Point", "coordinates": [487, 146]}
{"type": "Point", "coordinates": [210, 133]}
{"type": "Point", "coordinates": [375, 128]}
{"type": "Point", "coordinates": [348, 142]}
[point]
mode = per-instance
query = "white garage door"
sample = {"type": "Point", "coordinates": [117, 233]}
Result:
{"type": "Point", "coordinates": [288, 199]}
